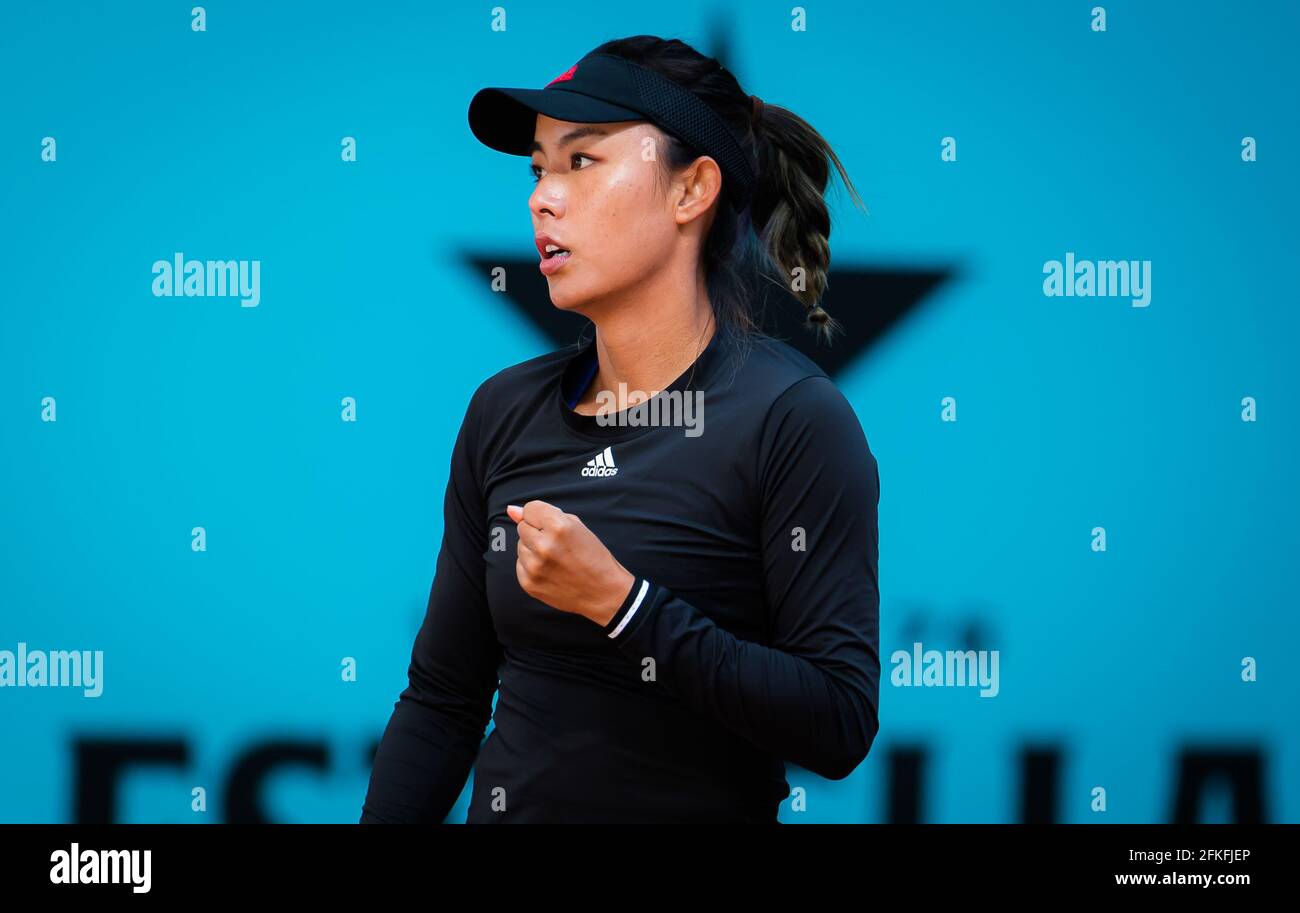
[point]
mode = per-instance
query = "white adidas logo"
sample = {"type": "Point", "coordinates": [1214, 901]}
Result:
{"type": "Point", "coordinates": [601, 465]}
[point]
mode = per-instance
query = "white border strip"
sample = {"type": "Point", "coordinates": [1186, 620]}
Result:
{"type": "Point", "coordinates": [645, 585]}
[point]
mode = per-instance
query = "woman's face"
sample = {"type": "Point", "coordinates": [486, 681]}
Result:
{"type": "Point", "coordinates": [597, 195]}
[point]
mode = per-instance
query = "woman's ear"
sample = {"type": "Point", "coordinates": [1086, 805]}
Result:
{"type": "Point", "coordinates": [698, 185]}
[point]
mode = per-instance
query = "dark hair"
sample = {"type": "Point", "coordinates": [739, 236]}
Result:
{"type": "Point", "coordinates": [786, 225]}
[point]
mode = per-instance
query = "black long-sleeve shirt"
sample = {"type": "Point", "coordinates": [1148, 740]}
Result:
{"type": "Point", "coordinates": [750, 636]}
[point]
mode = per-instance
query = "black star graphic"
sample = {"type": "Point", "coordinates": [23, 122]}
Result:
{"type": "Point", "coordinates": [866, 300]}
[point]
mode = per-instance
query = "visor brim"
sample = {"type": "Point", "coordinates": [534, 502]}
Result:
{"type": "Point", "coordinates": [506, 119]}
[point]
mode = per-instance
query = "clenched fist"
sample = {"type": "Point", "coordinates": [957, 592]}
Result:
{"type": "Point", "coordinates": [565, 565]}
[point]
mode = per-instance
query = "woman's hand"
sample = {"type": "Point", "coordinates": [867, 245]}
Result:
{"type": "Point", "coordinates": [565, 565]}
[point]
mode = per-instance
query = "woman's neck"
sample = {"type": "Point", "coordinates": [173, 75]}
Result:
{"type": "Point", "coordinates": [639, 354]}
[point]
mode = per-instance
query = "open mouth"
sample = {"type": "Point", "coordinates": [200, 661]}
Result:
{"type": "Point", "coordinates": [554, 252]}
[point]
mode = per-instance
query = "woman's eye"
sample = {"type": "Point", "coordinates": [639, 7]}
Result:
{"type": "Point", "coordinates": [536, 170]}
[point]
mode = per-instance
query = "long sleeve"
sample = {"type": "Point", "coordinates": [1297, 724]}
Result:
{"type": "Point", "coordinates": [810, 695]}
{"type": "Point", "coordinates": [437, 725]}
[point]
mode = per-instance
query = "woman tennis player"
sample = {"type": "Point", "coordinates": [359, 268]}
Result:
{"type": "Point", "coordinates": [668, 611]}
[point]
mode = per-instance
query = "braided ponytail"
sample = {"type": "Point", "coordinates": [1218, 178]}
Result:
{"type": "Point", "coordinates": [789, 210]}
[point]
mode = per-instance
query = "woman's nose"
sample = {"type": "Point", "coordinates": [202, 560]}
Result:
{"type": "Point", "coordinates": [547, 197]}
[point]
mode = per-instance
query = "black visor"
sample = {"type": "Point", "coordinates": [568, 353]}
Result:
{"type": "Point", "coordinates": [604, 88]}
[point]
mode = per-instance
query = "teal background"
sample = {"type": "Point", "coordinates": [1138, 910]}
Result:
{"type": "Point", "coordinates": [322, 535]}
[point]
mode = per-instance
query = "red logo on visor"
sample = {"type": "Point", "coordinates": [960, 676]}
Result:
{"type": "Point", "coordinates": [567, 74]}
